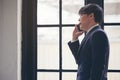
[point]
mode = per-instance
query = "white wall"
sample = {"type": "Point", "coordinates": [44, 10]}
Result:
{"type": "Point", "coordinates": [0, 27]}
{"type": "Point", "coordinates": [10, 40]}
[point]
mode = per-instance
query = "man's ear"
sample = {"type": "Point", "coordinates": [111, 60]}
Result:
{"type": "Point", "coordinates": [91, 15]}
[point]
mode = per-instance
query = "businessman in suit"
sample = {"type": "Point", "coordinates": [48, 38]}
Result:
{"type": "Point", "coordinates": [92, 54]}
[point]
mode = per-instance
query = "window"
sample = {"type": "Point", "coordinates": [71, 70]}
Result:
{"type": "Point", "coordinates": [45, 52]}
{"type": "Point", "coordinates": [55, 24]}
{"type": "Point", "coordinates": [55, 21]}
{"type": "Point", "coordinates": [111, 11]}
{"type": "Point", "coordinates": [112, 27]}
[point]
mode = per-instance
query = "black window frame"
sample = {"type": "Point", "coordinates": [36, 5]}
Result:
{"type": "Point", "coordinates": [29, 39]}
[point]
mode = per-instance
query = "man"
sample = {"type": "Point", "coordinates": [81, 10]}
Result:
{"type": "Point", "coordinates": [92, 54]}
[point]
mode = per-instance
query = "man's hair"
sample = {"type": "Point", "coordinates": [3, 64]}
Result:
{"type": "Point", "coordinates": [95, 9]}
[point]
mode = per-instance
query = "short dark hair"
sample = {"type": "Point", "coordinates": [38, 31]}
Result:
{"type": "Point", "coordinates": [95, 9]}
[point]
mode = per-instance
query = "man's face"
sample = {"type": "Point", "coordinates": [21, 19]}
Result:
{"type": "Point", "coordinates": [84, 21]}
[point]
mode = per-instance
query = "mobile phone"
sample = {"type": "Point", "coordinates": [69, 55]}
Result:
{"type": "Point", "coordinates": [79, 27]}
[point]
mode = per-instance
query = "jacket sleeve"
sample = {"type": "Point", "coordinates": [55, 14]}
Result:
{"type": "Point", "coordinates": [74, 48]}
{"type": "Point", "coordinates": [99, 44]}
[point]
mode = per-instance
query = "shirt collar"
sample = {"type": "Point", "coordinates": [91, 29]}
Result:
{"type": "Point", "coordinates": [92, 28]}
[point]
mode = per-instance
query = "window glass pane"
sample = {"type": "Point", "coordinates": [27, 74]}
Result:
{"type": "Point", "coordinates": [70, 10]}
{"type": "Point", "coordinates": [112, 14]}
{"type": "Point", "coordinates": [113, 76]}
{"type": "Point", "coordinates": [47, 76]}
{"type": "Point", "coordinates": [68, 59]}
{"type": "Point", "coordinates": [47, 12]}
{"type": "Point", "coordinates": [47, 48]}
{"type": "Point", "coordinates": [69, 76]}
{"type": "Point", "coordinates": [113, 33]}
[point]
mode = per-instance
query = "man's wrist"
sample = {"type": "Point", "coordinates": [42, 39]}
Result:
{"type": "Point", "coordinates": [74, 40]}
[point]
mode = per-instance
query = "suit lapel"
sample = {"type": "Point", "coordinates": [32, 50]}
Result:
{"type": "Point", "coordinates": [85, 39]}
{"type": "Point", "coordinates": [88, 35]}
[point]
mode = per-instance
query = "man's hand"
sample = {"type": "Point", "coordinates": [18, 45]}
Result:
{"type": "Point", "coordinates": [76, 33]}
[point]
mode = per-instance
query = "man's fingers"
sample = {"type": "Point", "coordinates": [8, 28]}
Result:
{"type": "Point", "coordinates": [79, 33]}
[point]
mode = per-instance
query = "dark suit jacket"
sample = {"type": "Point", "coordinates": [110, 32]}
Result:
{"type": "Point", "coordinates": [91, 55]}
